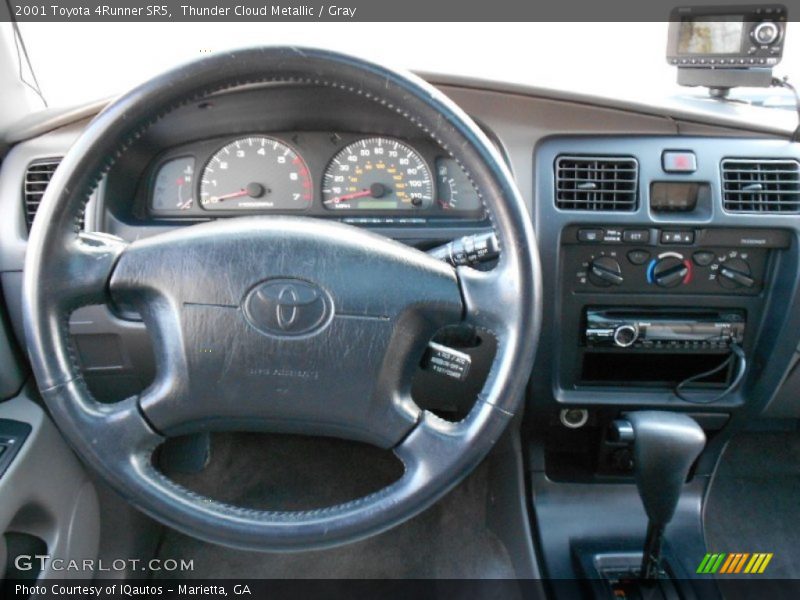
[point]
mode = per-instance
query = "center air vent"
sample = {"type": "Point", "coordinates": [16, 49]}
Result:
{"type": "Point", "coordinates": [597, 183]}
{"type": "Point", "coordinates": [37, 176]}
{"type": "Point", "coordinates": [761, 185]}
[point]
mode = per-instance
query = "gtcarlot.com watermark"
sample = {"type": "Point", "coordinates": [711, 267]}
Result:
{"type": "Point", "coordinates": [39, 562]}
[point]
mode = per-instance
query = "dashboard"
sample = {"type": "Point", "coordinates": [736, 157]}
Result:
{"type": "Point", "coordinates": [657, 242]}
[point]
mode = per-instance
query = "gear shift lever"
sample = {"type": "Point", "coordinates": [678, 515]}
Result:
{"type": "Point", "coordinates": [665, 445]}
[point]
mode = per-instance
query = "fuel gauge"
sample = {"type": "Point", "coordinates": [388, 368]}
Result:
{"type": "Point", "coordinates": [454, 189]}
{"type": "Point", "coordinates": [174, 186]}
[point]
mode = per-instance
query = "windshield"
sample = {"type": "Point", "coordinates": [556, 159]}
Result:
{"type": "Point", "coordinates": [80, 62]}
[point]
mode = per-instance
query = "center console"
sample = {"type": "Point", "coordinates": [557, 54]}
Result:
{"type": "Point", "coordinates": [671, 284]}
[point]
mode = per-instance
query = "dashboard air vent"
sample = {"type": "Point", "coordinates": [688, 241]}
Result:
{"type": "Point", "coordinates": [597, 183]}
{"type": "Point", "coordinates": [761, 185]}
{"type": "Point", "coordinates": [37, 176]}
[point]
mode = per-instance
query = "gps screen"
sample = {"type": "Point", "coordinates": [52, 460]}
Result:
{"type": "Point", "coordinates": [711, 35]}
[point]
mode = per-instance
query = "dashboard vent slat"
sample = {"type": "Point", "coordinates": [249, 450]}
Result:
{"type": "Point", "coordinates": [37, 177]}
{"type": "Point", "coordinates": [761, 185]}
{"type": "Point", "coordinates": [597, 183]}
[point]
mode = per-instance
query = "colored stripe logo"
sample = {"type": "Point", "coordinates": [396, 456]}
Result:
{"type": "Point", "coordinates": [733, 563]}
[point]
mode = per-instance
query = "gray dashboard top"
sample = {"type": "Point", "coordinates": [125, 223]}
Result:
{"type": "Point", "coordinates": [693, 107]}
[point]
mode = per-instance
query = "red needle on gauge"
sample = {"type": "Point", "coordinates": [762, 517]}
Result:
{"type": "Point", "coordinates": [353, 196]}
{"type": "Point", "coordinates": [238, 194]}
{"type": "Point", "coordinates": [376, 190]}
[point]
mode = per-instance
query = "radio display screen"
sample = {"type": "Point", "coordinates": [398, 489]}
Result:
{"type": "Point", "coordinates": [719, 34]}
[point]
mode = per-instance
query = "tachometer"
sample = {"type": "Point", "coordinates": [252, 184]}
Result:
{"type": "Point", "coordinates": [256, 173]}
{"type": "Point", "coordinates": [377, 174]}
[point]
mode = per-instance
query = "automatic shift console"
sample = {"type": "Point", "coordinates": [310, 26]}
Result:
{"type": "Point", "coordinates": [665, 446]}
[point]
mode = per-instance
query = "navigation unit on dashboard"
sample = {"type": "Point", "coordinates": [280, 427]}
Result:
{"type": "Point", "coordinates": [726, 46]}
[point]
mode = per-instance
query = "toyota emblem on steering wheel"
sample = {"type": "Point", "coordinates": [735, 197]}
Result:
{"type": "Point", "coordinates": [288, 307]}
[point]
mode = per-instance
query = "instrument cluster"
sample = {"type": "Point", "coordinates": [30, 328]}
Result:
{"type": "Point", "coordinates": [314, 173]}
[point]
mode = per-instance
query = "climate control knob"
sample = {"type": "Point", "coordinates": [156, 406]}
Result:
{"type": "Point", "coordinates": [669, 271]}
{"type": "Point", "coordinates": [605, 271]}
{"type": "Point", "coordinates": [735, 273]}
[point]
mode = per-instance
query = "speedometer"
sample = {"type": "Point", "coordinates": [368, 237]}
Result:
{"type": "Point", "coordinates": [377, 174]}
{"type": "Point", "coordinates": [256, 173]}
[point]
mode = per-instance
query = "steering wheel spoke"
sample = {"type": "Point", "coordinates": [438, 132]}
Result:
{"type": "Point", "coordinates": [488, 296]}
{"type": "Point", "coordinates": [86, 268]}
{"type": "Point", "coordinates": [122, 441]}
{"type": "Point", "coordinates": [435, 446]}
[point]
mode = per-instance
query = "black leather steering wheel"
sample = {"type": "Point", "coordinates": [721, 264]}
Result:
{"type": "Point", "coordinates": [283, 324]}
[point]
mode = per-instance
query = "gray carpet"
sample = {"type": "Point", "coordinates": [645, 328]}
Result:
{"type": "Point", "coordinates": [449, 540]}
{"type": "Point", "coordinates": [754, 502]}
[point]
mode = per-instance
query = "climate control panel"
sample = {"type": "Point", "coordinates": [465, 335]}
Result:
{"type": "Point", "coordinates": [691, 261]}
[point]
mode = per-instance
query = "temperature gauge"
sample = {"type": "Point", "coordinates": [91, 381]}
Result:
{"type": "Point", "coordinates": [174, 186]}
{"type": "Point", "coordinates": [454, 189]}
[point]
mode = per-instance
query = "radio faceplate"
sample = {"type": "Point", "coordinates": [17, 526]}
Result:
{"type": "Point", "coordinates": [664, 329]}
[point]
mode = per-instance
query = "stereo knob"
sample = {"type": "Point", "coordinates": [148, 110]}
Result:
{"type": "Point", "coordinates": [605, 271]}
{"type": "Point", "coordinates": [625, 335]}
{"type": "Point", "coordinates": [735, 273]}
{"type": "Point", "coordinates": [669, 272]}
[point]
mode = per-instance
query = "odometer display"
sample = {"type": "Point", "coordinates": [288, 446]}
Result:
{"type": "Point", "coordinates": [377, 174]}
{"type": "Point", "coordinates": [256, 173]}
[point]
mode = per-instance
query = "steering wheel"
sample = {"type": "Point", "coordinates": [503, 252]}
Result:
{"type": "Point", "coordinates": [285, 324]}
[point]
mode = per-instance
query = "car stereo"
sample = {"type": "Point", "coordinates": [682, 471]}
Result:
{"type": "Point", "coordinates": [668, 329]}
{"type": "Point", "coordinates": [727, 37]}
